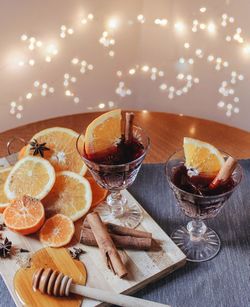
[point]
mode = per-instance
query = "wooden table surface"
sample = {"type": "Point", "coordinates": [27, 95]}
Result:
{"type": "Point", "coordinates": [166, 132]}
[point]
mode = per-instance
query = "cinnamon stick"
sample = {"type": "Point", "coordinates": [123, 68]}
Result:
{"type": "Point", "coordinates": [224, 173]}
{"type": "Point", "coordinates": [123, 231]}
{"type": "Point", "coordinates": [129, 118]}
{"type": "Point", "coordinates": [106, 245]}
{"type": "Point", "coordinates": [88, 238]}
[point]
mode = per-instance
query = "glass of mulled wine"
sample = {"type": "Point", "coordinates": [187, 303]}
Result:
{"type": "Point", "coordinates": [116, 170]}
{"type": "Point", "coordinates": [198, 202]}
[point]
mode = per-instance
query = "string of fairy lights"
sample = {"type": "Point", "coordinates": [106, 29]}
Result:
{"type": "Point", "coordinates": [182, 85]}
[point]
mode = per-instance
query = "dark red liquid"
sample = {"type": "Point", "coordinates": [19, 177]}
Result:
{"type": "Point", "coordinates": [125, 159]}
{"type": "Point", "coordinates": [123, 152]}
{"type": "Point", "coordinates": [198, 184]}
{"type": "Point", "coordinates": [194, 205]}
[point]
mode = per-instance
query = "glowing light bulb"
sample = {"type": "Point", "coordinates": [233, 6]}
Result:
{"type": "Point", "coordinates": [113, 23]}
{"type": "Point", "coordinates": [246, 49]}
{"type": "Point", "coordinates": [179, 26]}
{"type": "Point", "coordinates": [29, 96]}
{"type": "Point", "coordinates": [39, 44]}
{"type": "Point", "coordinates": [70, 31]}
{"type": "Point", "coordinates": [90, 16]}
{"type": "Point", "coordinates": [186, 45]}
{"type": "Point", "coordinates": [52, 49]}
{"type": "Point", "coordinates": [24, 37]}
{"type": "Point", "coordinates": [75, 61]}
{"type": "Point", "coordinates": [68, 93]}
{"type": "Point", "coordinates": [101, 105]}
{"type": "Point", "coordinates": [31, 62]}
{"type": "Point", "coordinates": [132, 71]}
{"type": "Point", "coordinates": [203, 9]}
{"type": "Point", "coordinates": [211, 27]}
{"type": "Point", "coordinates": [145, 68]}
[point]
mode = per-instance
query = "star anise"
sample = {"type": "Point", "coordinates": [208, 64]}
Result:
{"type": "Point", "coordinates": [5, 248]}
{"type": "Point", "coordinates": [38, 149]}
{"type": "Point", "coordinates": [76, 253]}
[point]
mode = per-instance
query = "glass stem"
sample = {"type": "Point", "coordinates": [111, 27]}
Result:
{"type": "Point", "coordinates": [117, 203]}
{"type": "Point", "coordinates": [196, 229]}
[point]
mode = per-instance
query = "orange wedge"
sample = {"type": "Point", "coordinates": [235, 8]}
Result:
{"type": "Point", "coordinates": [103, 132]}
{"type": "Point", "coordinates": [31, 176]}
{"type": "Point", "coordinates": [203, 157]}
{"type": "Point", "coordinates": [98, 193]}
{"type": "Point", "coordinates": [25, 215]}
{"type": "Point", "coordinates": [71, 196]}
{"type": "Point", "coordinates": [4, 201]}
{"type": "Point", "coordinates": [63, 154]}
{"type": "Point", "coordinates": [57, 231]}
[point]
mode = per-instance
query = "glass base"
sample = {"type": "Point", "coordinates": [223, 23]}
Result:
{"type": "Point", "coordinates": [197, 250]}
{"type": "Point", "coordinates": [131, 217]}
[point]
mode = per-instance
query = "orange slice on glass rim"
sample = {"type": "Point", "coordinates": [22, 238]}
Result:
{"type": "Point", "coordinates": [63, 154]}
{"type": "Point", "coordinates": [4, 201]}
{"type": "Point", "coordinates": [71, 195]}
{"type": "Point", "coordinates": [57, 231]}
{"type": "Point", "coordinates": [31, 176]}
{"type": "Point", "coordinates": [203, 157]}
{"type": "Point", "coordinates": [103, 132]}
{"type": "Point", "coordinates": [25, 215]}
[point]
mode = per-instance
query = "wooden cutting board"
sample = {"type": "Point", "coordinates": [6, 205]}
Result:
{"type": "Point", "coordinates": [144, 266]}
{"type": "Point", "coordinates": [57, 259]}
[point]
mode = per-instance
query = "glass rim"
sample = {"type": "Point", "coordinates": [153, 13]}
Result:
{"type": "Point", "coordinates": [116, 165]}
{"type": "Point", "coordinates": [196, 195]}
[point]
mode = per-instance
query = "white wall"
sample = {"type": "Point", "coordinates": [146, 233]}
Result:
{"type": "Point", "coordinates": [139, 44]}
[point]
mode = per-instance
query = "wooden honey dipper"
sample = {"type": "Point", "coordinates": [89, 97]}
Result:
{"type": "Point", "coordinates": [56, 283]}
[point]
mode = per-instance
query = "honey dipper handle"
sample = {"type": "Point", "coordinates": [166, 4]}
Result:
{"type": "Point", "coordinates": [112, 297]}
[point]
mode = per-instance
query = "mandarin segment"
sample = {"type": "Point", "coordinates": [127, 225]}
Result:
{"type": "Point", "coordinates": [25, 215]}
{"type": "Point", "coordinates": [202, 156]}
{"type": "Point", "coordinates": [4, 201]}
{"type": "Point", "coordinates": [32, 176]}
{"type": "Point", "coordinates": [63, 154]}
{"type": "Point", "coordinates": [71, 196]}
{"type": "Point", "coordinates": [57, 231]}
{"type": "Point", "coordinates": [103, 132]}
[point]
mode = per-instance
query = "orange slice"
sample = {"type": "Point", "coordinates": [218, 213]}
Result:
{"type": "Point", "coordinates": [98, 193]}
{"type": "Point", "coordinates": [4, 201]}
{"type": "Point", "coordinates": [103, 132]}
{"type": "Point", "coordinates": [25, 215]}
{"type": "Point", "coordinates": [63, 154]}
{"type": "Point", "coordinates": [32, 176]}
{"type": "Point", "coordinates": [57, 231]}
{"type": "Point", "coordinates": [71, 196]}
{"type": "Point", "coordinates": [203, 157]}
{"type": "Point", "coordinates": [22, 152]}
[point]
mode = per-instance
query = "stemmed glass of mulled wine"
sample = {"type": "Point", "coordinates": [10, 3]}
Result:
{"type": "Point", "coordinates": [115, 171]}
{"type": "Point", "coordinates": [198, 202]}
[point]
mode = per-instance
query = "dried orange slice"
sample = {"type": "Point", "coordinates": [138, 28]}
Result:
{"type": "Point", "coordinates": [63, 154]}
{"type": "Point", "coordinates": [57, 231]}
{"type": "Point", "coordinates": [98, 193]}
{"type": "Point", "coordinates": [203, 157]}
{"type": "Point", "coordinates": [103, 132]}
{"type": "Point", "coordinates": [32, 176]}
{"type": "Point", "coordinates": [25, 215]}
{"type": "Point", "coordinates": [71, 196]}
{"type": "Point", "coordinates": [4, 201]}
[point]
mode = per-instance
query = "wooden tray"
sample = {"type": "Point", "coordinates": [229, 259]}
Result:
{"type": "Point", "coordinates": [144, 267]}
